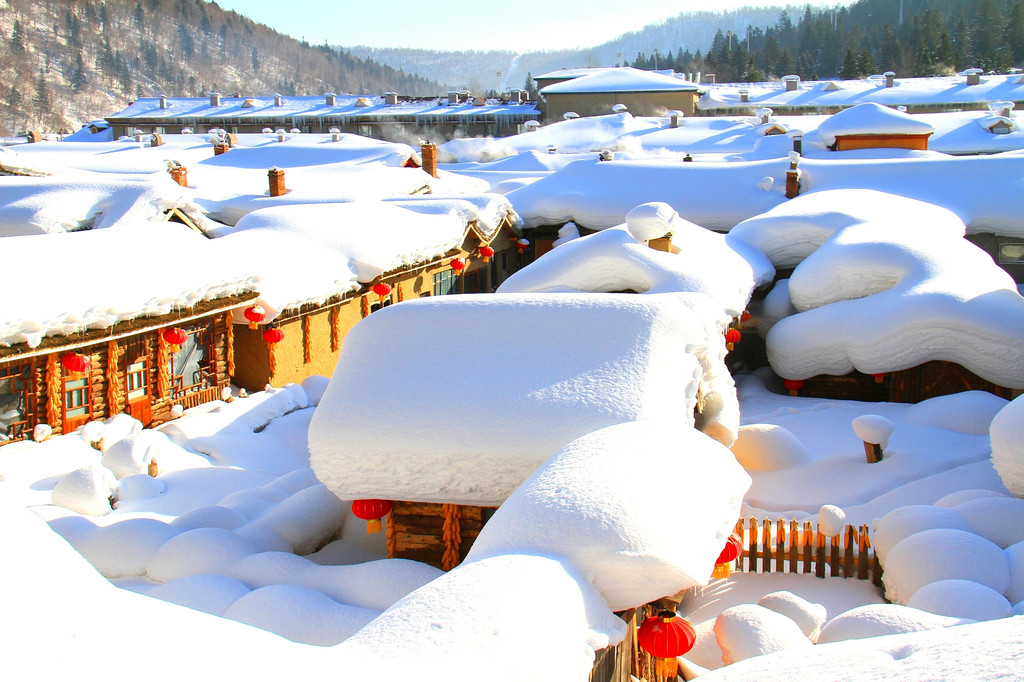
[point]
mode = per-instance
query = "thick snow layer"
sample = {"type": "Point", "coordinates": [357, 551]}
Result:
{"type": "Point", "coordinates": [1015, 555]}
{"type": "Point", "coordinates": [809, 617]}
{"type": "Point", "coordinates": [210, 271]}
{"type": "Point", "coordinates": [86, 490]}
{"type": "Point", "coordinates": [613, 260]}
{"type": "Point", "coordinates": [211, 594]}
{"type": "Point", "coordinates": [751, 630]}
{"type": "Point", "coordinates": [768, 447]}
{"type": "Point", "coordinates": [1007, 434]}
{"type": "Point", "coordinates": [647, 358]}
{"type": "Point", "coordinates": [997, 519]}
{"type": "Point", "coordinates": [203, 550]}
{"type": "Point", "coordinates": [132, 455]}
{"type": "Point", "coordinates": [966, 495]}
{"type": "Point", "coordinates": [941, 554]}
{"type": "Point", "coordinates": [623, 79]}
{"type": "Point", "coordinates": [121, 550]}
{"type": "Point", "coordinates": [966, 412]}
{"type": "Point", "coordinates": [586, 504]}
{"type": "Point", "coordinates": [904, 521]}
{"type": "Point", "coordinates": [877, 620]}
{"type": "Point", "coordinates": [873, 428]}
{"type": "Point", "coordinates": [958, 598]}
{"type": "Point", "coordinates": [888, 292]}
{"type": "Point", "coordinates": [466, 622]}
{"type": "Point", "coordinates": [831, 520]}
{"type": "Point", "coordinates": [871, 119]}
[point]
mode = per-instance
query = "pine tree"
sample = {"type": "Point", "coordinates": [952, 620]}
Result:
{"type": "Point", "coordinates": [17, 38]}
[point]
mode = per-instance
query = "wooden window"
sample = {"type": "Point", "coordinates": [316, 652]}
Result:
{"type": "Point", "coordinates": [14, 397]}
{"type": "Point", "coordinates": [190, 367]}
{"type": "Point", "coordinates": [135, 380]}
{"type": "Point", "coordinates": [445, 283]}
{"type": "Point", "coordinates": [77, 407]}
{"type": "Point", "coordinates": [377, 305]}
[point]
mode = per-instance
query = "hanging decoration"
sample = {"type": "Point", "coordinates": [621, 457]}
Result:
{"type": "Point", "coordinates": [390, 539]}
{"type": "Point", "coordinates": [879, 378]}
{"type": "Point", "coordinates": [732, 337]}
{"type": "Point", "coordinates": [272, 336]}
{"type": "Point", "coordinates": [113, 385]}
{"type": "Point", "coordinates": [53, 391]}
{"type": "Point", "coordinates": [451, 534]}
{"type": "Point", "coordinates": [255, 314]}
{"type": "Point", "coordinates": [666, 636]}
{"type": "Point", "coordinates": [307, 339]}
{"type": "Point", "coordinates": [229, 340]}
{"type": "Point", "coordinates": [163, 373]}
{"type": "Point", "coordinates": [458, 265]}
{"type": "Point", "coordinates": [335, 314]}
{"type": "Point", "coordinates": [401, 296]}
{"type": "Point", "coordinates": [522, 244]}
{"type": "Point", "coordinates": [744, 318]}
{"type": "Point", "coordinates": [487, 252]}
{"type": "Point", "coordinates": [382, 289]}
{"type": "Point", "coordinates": [732, 551]}
{"type": "Point", "coordinates": [175, 338]}
{"type": "Point", "coordinates": [365, 307]}
{"type": "Point", "coordinates": [371, 511]}
{"type": "Point", "coordinates": [793, 385]}
{"type": "Point", "coordinates": [75, 363]}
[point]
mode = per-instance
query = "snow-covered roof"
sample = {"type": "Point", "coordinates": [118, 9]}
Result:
{"type": "Point", "coordinates": [516, 388]}
{"type": "Point", "coordinates": [299, 109]}
{"type": "Point", "coordinates": [624, 79]}
{"type": "Point", "coordinates": [938, 90]}
{"type": "Point", "coordinates": [871, 119]}
{"type": "Point", "coordinates": [572, 73]}
{"type": "Point", "coordinates": [68, 283]}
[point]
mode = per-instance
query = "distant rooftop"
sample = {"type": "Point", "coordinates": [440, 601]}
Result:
{"type": "Point", "coordinates": [624, 79]}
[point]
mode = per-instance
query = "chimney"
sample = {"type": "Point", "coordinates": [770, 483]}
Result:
{"type": "Point", "coordinates": [220, 148]}
{"type": "Point", "coordinates": [673, 117]}
{"type": "Point", "coordinates": [214, 99]}
{"type": "Point", "coordinates": [973, 76]}
{"type": "Point", "coordinates": [280, 134]}
{"type": "Point", "coordinates": [798, 140]}
{"type": "Point", "coordinates": [710, 78]}
{"type": "Point", "coordinates": [744, 95]}
{"type": "Point", "coordinates": [390, 99]}
{"type": "Point", "coordinates": [277, 100]}
{"type": "Point", "coordinates": [180, 175]}
{"type": "Point", "coordinates": [890, 79]}
{"type": "Point", "coordinates": [453, 98]}
{"type": "Point", "coordinates": [1003, 109]}
{"type": "Point", "coordinates": [276, 176]}
{"type": "Point", "coordinates": [792, 82]}
{"type": "Point", "coordinates": [138, 136]}
{"type": "Point", "coordinates": [428, 157]}
{"type": "Point", "coordinates": [329, 99]}
{"type": "Point", "coordinates": [335, 134]}
{"type": "Point", "coordinates": [156, 140]}
{"type": "Point", "coordinates": [765, 114]}
{"type": "Point", "coordinates": [163, 101]}
{"type": "Point", "coordinates": [793, 176]}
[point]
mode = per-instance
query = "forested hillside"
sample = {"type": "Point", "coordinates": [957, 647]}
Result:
{"type": "Point", "coordinates": [64, 62]}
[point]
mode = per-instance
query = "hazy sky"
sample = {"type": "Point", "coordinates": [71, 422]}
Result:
{"type": "Point", "coordinates": [519, 25]}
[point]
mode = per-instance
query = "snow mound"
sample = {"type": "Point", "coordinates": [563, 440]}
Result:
{"type": "Point", "coordinates": [132, 455]}
{"type": "Point", "coordinates": [118, 427]}
{"type": "Point", "coordinates": [125, 548]}
{"type": "Point", "coordinates": [300, 614]}
{"type": "Point", "coordinates": [767, 447]}
{"type": "Point", "coordinates": [92, 432]}
{"type": "Point", "coordinates": [86, 490]}
{"type": "Point", "coordinates": [1015, 555]}
{"type": "Point", "coordinates": [583, 504]}
{"type": "Point", "coordinates": [651, 221]}
{"type": "Point", "coordinates": [903, 522]}
{"type": "Point", "coordinates": [213, 516]}
{"type": "Point", "coordinates": [999, 519]}
{"type": "Point", "coordinates": [831, 520]}
{"type": "Point", "coordinates": [315, 385]}
{"type": "Point", "coordinates": [876, 620]}
{"type": "Point", "coordinates": [211, 594]}
{"type": "Point", "coordinates": [873, 428]}
{"type": "Point", "coordinates": [203, 550]}
{"type": "Point", "coordinates": [943, 554]}
{"type": "Point", "coordinates": [960, 599]}
{"type": "Point", "coordinates": [306, 519]}
{"type": "Point", "coordinates": [960, 496]}
{"type": "Point", "coordinates": [750, 630]}
{"type": "Point", "coordinates": [1007, 433]}
{"type": "Point", "coordinates": [968, 412]}
{"type": "Point", "coordinates": [809, 617]}
{"type": "Point", "coordinates": [138, 487]}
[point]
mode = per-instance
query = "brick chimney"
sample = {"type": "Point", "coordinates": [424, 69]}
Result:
{"type": "Point", "coordinates": [973, 76]}
{"type": "Point", "coordinates": [163, 101]}
{"type": "Point", "coordinates": [890, 79]}
{"type": "Point", "coordinates": [214, 99]}
{"type": "Point", "coordinates": [276, 177]}
{"type": "Point", "coordinates": [428, 156]}
{"type": "Point", "coordinates": [180, 175]}
{"type": "Point", "coordinates": [792, 82]}
{"type": "Point", "coordinates": [277, 100]}
{"type": "Point", "coordinates": [390, 99]}
{"type": "Point", "coordinates": [744, 95]}
{"type": "Point", "coordinates": [329, 99]}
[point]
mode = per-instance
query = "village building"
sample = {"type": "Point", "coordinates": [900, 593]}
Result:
{"type": "Point", "coordinates": [386, 117]}
{"type": "Point", "coordinates": [66, 358]}
{"type": "Point", "coordinates": [642, 93]}
{"type": "Point", "coordinates": [873, 126]}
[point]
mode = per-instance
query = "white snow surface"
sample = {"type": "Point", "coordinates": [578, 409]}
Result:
{"type": "Point", "coordinates": [878, 620]}
{"type": "Point", "coordinates": [86, 490]}
{"type": "Point", "coordinates": [752, 630]}
{"type": "Point", "coordinates": [585, 504]}
{"type": "Point", "coordinates": [871, 119]}
{"type": "Point", "coordinates": [958, 598]}
{"type": "Point", "coordinates": [623, 79]}
{"type": "Point", "coordinates": [809, 617]}
{"type": "Point", "coordinates": [768, 447]}
{"type": "Point", "coordinates": [1007, 434]}
{"type": "Point", "coordinates": [873, 428]}
{"type": "Point", "coordinates": [647, 357]}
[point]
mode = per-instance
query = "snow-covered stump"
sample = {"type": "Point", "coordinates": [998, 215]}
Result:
{"type": "Point", "coordinates": [874, 430]}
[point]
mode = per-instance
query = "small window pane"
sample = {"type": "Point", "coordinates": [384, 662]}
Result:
{"type": "Point", "coordinates": [1011, 253]}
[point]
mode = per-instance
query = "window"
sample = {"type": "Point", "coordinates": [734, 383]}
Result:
{"type": "Point", "coordinates": [190, 370]}
{"type": "Point", "coordinates": [77, 403]}
{"type": "Point", "coordinates": [135, 380]}
{"type": "Point", "coordinates": [445, 283]}
{"type": "Point", "coordinates": [1011, 254]}
{"type": "Point", "coordinates": [377, 305]}
{"type": "Point", "coordinates": [14, 382]}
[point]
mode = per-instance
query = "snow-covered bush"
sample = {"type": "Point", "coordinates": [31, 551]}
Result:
{"type": "Point", "coordinates": [203, 550]}
{"type": "Point", "coordinates": [123, 549]}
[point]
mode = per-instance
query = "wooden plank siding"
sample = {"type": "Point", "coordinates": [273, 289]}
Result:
{"type": "Point", "coordinates": [913, 385]}
{"type": "Point", "coordinates": [418, 528]}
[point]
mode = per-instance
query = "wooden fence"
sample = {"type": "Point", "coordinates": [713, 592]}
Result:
{"type": "Point", "coordinates": [794, 547]}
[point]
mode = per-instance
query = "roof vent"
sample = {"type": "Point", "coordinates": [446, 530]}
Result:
{"type": "Point", "coordinates": [163, 101]}
{"type": "Point", "coordinates": [277, 100]}
{"type": "Point", "coordinates": [744, 95]}
{"type": "Point", "coordinates": [619, 108]}
{"type": "Point", "coordinates": [890, 79]}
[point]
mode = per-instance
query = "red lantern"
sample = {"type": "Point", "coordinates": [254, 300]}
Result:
{"type": "Point", "coordinates": [666, 636]}
{"type": "Point", "coordinates": [175, 337]}
{"type": "Point", "coordinates": [382, 290]}
{"type": "Point", "coordinates": [273, 336]}
{"type": "Point", "coordinates": [457, 265]}
{"type": "Point", "coordinates": [732, 337]}
{"type": "Point", "coordinates": [745, 317]}
{"type": "Point", "coordinates": [255, 314]}
{"type": "Point", "coordinates": [486, 252]}
{"type": "Point", "coordinates": [371, 511]}
{"type": "Point", "coordinates": [879, 378]}
{"type": "Point", "coordinates": [522, 244]}
{"type": "Point", "coordinates": [793, 385]}
{"type": "Point", "coordinates": [75, 363]}
{"type": "Point", "coordinates": [732, 551]}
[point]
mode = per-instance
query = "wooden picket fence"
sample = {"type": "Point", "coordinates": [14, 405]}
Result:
{"type": "Point", "coordinates": [794, 547]}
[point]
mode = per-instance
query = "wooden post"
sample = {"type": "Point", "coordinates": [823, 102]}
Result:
{"type": "Point", "coordinates": [873, 452]}
{"type": "Point", "coordinates": [780, 547]}
{"type": "Point", "coordinates": [794, 534]}
{"type": "Point", "coordinates": [219, 149]}
{"type": "Point", "coordinates": [819, 567]}
{"type": "Point", "coordinates": [806, 544]}
{"type": "Point", "coordinates": [752, 546]}
{"type": "Point", "coordinates": [862, 557]}
{"type": "Point", "coordinates": [180, 175]}
{"type": "Point", "coordinates": [154, 469]}
{"type": "Point", "coordinates": [850, 540]}
{"type": "Point", "coordinates": [276, 177]}
{"type": "Point", "coordinates": [766, 546]}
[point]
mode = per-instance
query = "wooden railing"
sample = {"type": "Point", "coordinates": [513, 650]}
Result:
{"type": "Point", "coordinates": [198, 397]}
{"type": "Point", "coordinates": [791, 547]}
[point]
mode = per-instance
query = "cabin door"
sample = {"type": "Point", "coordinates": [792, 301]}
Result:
{"type": "Point", "coordinates": [77, 401]}
{"type": "Point", "coordinates": [136, 370]}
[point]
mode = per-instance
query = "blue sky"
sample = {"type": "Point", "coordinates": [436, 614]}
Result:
{"type": "Point", "coordinates": [519, 25]}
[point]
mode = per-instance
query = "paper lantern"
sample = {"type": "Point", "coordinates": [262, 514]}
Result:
{"type": "Point", "coordinates": [666, 636]}
{"type": "Point", "coordinates": [273, 336]}
{"type": "Point", "coordinates": [175, 337]}
{"type": "Point", "coordinates": [793, 385]}
{"type": "Point", "coordinates": [75, 363]}
{"type": "Point", "coordinates": [382, 290]}
{"type": "Point", "coordinates": [255, 314]}
{"type": "Point", "coordinates": [522, 244]}
{"type": "Point", "coordinates": [486, 252]}
{"type": "Point", "coordinates": [371, 511]}
{"type": "Point", "coordinates": [457, 265]}
{"type": "Point", "coordinates": [732, 551]}
{"type": "Point", "coordinates": [879, 378]}
{"type": "Point", "coordinates": [732, 337]}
